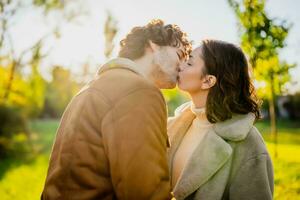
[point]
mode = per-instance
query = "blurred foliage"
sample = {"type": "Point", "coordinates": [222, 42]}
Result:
{"type": "Point", "coordinates": [25, 100]}
{"type": "Point", "coordinates": [50, 4]}
{"type": "Point", "coordinates": [293, 106]}
{"type": "Point", "coordinates": [59, 92]}
{"type": "Point", "coordinates": [261, 39]}
{"type": "Point", "coordinates": [26, 93]}
{"type": "Point", "coordinates": [13, 132]}
{"type": "Point", "coordinates": [110, 31]}
{"type": "Point", "coordinates": [22, 88]}
{"type": "Point", "coordinates": [174, 98]}
{"type": "Point", "coordinates": [295, 99]}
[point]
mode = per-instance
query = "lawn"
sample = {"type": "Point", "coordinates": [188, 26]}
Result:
{"type": "Point", "coordinates": [24, 179]}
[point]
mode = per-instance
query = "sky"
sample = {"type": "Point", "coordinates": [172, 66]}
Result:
{"type": "Point", "coordinates": [83, 40]}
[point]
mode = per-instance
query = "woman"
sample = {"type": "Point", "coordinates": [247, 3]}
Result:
{"type": "Point", "coordinates": [216, 152]}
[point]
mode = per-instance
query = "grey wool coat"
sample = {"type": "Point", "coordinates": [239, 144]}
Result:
{"type": "Point", "coordinates": [231, 162]}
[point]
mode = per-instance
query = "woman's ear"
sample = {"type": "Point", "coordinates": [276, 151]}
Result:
{"type": "Point", "coordinates": [154, 47]}
{"type": "Point", "coordinates": [209, 82]}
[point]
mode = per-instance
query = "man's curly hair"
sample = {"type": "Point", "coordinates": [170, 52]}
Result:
{"type": "Point", "coordinates": [134, 44]}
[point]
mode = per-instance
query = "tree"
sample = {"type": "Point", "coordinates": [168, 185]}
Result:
{"type": "Point", "coordinates": [262, 38]}
{"type": "Point", "coordinates": [110, 31]}
{"type": "Point", "coordinates": [9, 10]}
{"type": "Point", "coordinates": [59, 92]}
{"type": "Point", "coordinates": [22, 94]}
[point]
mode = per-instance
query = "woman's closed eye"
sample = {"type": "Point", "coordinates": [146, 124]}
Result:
{"type": "Point", "coordinates": [190, 60]}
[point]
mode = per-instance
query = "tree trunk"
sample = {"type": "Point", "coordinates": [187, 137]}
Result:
{"type": "Point", "coordinates": [272, 101]}
{"type": "Point", "coordinates": [10, 81]}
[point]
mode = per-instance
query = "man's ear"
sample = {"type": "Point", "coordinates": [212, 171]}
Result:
{"type": "Point", "coordinates": [154, 47]}
{"type": "Point", "coordinates": [209, 81]}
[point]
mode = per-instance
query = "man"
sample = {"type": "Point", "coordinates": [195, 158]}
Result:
{"type": "Point", "coordinates": [112, 140]}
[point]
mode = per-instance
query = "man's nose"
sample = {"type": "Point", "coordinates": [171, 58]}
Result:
{"type": "Point", "coordinates": [182, 66]}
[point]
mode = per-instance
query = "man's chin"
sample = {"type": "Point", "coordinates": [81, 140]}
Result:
{"type": "Point", "coordinates": [168, 85]}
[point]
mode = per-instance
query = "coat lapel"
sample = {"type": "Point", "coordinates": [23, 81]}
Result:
{"type": "Point", "coordinates": [209, 156]}
{"type": "Point", "coordinates": [177, 130]}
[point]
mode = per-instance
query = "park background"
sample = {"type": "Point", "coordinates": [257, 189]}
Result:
{"type": "Point", "coordinates": [49, 49]}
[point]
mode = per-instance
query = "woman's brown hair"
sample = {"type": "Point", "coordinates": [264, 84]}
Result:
{"type": "Point", "coordinates": [233, 92]}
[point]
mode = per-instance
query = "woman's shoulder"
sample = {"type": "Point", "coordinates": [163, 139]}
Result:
{"type": "Point", "coordinates": [254, 144]}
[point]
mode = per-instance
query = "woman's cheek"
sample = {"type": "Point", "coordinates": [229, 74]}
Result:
{"type": "Point", "coordinates": [187, 74]}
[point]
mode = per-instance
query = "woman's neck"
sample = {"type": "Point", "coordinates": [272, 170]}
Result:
{"type": "Point", "coordinates": [199, 99]}
{"type": "Point", "coordinates": [198, 107]}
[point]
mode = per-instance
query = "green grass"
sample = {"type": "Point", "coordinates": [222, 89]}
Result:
{"type": "Point", "coordinates": [287, 162]}
{"type": "Point", "coordinates": [23, 179]}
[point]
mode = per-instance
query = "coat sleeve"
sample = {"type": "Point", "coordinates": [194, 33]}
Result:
{"type": "Point", "coordinates": [254, 180]}
{"type": "Point", "coordinates": [135, 138]}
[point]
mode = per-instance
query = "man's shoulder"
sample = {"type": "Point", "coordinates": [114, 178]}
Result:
{"type": "Point", "coordinates": [118, 83]}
